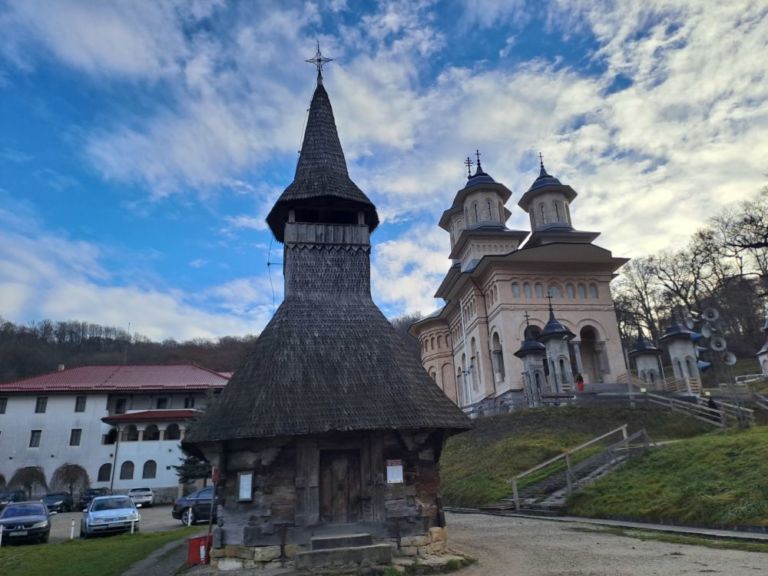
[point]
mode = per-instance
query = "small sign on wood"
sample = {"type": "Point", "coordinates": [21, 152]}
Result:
{"type": "Point", "coordinates": [394, 471]}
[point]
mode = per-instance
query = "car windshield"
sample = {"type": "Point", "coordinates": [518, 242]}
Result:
{"type": "Point", "coordinates": [53, 497]}
{"type": "Point", "coordinates": [17, 510]}
{"type": "Point", "coordinates": [111, 504]}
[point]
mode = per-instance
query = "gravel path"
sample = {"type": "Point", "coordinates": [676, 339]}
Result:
{"type": "Point", "coordinates": [530, 547]}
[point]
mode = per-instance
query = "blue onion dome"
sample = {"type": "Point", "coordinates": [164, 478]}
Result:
{"type": "Point", "coordinates": [544, 179]}
{"type": "Point", "coordinates": [530, 346]}
{"type": "Point", "coordinates": [555, 329]}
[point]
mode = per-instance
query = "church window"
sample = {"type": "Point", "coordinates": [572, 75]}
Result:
{"type": "Point", "coordinates": [556, 204]}
{"type": "Point", "coordinates": [439, 342]}
{"type": "Point", "coordinates": [570, 291]}
{"type": "Point", "coordinates": [474, 369]}
{"type": "Point", "coordinates": [527, 290]}
{"type": "Point", "coordinates": [593, 291]}
{"type": "Point", "coordinates": [515, 290]}
{"type": "Point", "coordinates": [149, 470]}
{"type": "Point", "coordinates": [105, 472]}
{"type": "Point", "coordinates": [490, 210]}
{"type": "Point", "coordinates": [554, 291]}
{"type": "Point", "coordinates": [474, 208]}
{"type": "Point", "coordinates": [582, 292]}
{"type": "Point", "coordinates": [543, 213]}
{"type": "Point", "coordinates": [498, 358]}
{"type": "Point", "coordinates": [539, 287]}
{"type": "Point", "coordinates": [432, 343]}
{"type": "Point", "coordinates": [126, 470]}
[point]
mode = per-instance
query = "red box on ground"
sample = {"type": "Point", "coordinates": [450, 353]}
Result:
{"type": "Point", "coordinates": [197, 550]}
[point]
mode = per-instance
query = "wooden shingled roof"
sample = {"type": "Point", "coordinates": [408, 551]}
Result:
{"type": "Point", "coordinates": [321, 172]}
{"type": "Point", "coordinates": [326, 365]}
{"type": "Point", "coordinates": [328, 360]}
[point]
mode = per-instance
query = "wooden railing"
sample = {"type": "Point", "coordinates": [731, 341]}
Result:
{"type": "Point", "coordinates": [669, 384]}
{"type": "Point", "coordinates": [566, 457]}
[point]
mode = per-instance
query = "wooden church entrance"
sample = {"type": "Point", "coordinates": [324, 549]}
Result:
{"type": "Point", "coordinates": [340, 486]}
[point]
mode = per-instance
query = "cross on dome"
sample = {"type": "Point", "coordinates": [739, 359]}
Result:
{"type": "Point", "coordinates": [468, 163]}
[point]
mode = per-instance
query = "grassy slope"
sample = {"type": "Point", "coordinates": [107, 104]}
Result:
{"type": "Point", "coordinates": [713, 479]}
{"type": "Point", "coordinates": [476, 465]}
{"type": "Point", "coordinates": [109, 556]}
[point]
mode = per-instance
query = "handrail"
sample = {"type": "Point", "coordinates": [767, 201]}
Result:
{"type": "Point", "coordinates": [566, 456]}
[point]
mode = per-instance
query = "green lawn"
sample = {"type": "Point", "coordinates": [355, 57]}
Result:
{"type": "Point", "coordinates": [106, 556]}
{"type": "Point", "coordinates": [475, 466]}
{"type": "Point", "coordinates": [719, 478]}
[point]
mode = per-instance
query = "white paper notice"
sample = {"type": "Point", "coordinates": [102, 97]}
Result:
{"type": "Point", "coordinates": [245, 486]}
{"type": "Point", "coordinates": [394, 471]}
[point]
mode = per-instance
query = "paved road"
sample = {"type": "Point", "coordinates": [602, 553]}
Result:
{"type": "Point", "coordinates": [530, 547]}
{"type": "Point", "coordinates": [154, 519]}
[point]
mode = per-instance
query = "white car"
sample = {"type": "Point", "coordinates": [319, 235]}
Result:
{"type": "Point", "coordinates": [141, 496]}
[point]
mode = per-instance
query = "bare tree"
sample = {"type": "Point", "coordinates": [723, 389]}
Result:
{"type": "Point", "coordinates": [70, 476]}
{"type": "Point", "coordinates": [29, 478]}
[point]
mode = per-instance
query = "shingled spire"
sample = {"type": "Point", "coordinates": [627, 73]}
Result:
{"type": "Point", "coordinates": [321, 184]}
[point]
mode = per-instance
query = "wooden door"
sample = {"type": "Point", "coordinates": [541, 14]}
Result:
{"type": "Point", "coordinates": [339, 486]}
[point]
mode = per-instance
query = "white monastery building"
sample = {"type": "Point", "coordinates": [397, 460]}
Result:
{"type": "Point", "coordinates": [122, 424]}
{"type": "Point", "coordinates": [506, 286]}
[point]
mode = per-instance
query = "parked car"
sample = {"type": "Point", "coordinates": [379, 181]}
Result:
{"type": "Point", "coordinates": [8, 496]}
{"type": "Point", "coordinates": [194, 507]}
{"type": "Point", "coordinates": [109, 514]}
{"type": "Point", "coordinates": [141, 496]}
{"type": "Point", "coordinates": [25, 521]}
{"type": "Point", "coordinates": [90, 494]}
{"type": "Point", "coordinates": [58, 501]}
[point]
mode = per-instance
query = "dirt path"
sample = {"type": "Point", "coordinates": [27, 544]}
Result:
{"type": "Point", "coordinates": [529, 547]}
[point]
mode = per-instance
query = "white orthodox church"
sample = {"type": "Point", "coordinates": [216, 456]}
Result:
{"type": "Point", "coordinates": [526, 313]}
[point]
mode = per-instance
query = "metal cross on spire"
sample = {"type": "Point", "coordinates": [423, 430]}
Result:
{"type": "Point", "coordinates": [479, 166]}
{"type": "Point", "coordinates": [541, 157]}
{"type": "Point", "coordinates": [527, 318]}
{"type": "Point", "coordinates": [468, 163]}
{"type": "Point", "coordinates": [319, 60]}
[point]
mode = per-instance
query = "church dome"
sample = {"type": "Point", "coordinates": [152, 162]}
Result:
{"type": "Point", "coordinates": [531, 346]}
{"type": "Point", "coordinates": [544, 179]}
{"type": "Point", "coordinates": [554, 329]}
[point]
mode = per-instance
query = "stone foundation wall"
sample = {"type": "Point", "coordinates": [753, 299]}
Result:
{"type": "Point", "coordinates": [433, 542]}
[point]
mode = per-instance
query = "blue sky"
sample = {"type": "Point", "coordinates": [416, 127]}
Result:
{"type": "Point", "coordinates": [142, 143]}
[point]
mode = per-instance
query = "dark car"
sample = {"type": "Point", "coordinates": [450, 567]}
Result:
{"type": "Point", "coordinates": [194, 507]}
{"type": "Point", "coordinates": [90, 494]}
{"type": "Point", "coordinates": [58, 502]}
{"type": "Point", "coordinates": [25, 522]}
{"type": "Point", "coordinates": [8, 496]}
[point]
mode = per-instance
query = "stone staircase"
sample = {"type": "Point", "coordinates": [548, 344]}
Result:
{"type": "Point", "coordinates": [548, 496]}
{"type": "Point", "coordinates": [343, 552]}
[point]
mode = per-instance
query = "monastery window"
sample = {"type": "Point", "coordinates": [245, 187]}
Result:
{"type": "Point", "coordinates": [474, 209]}
{"type": "Point", "coordinates": [172, 432]}
{"type": "Point", "coordinates": [432, 343]}
{"type": "Point", "coordinates": [74, 436]}
{"type": "Point", "coordinates": [105, 472]}
{"type": "Point", "coordinates": [515, 290]}
{"type": "Point", "coordinates": [130, 434]}
{"type": "Point", "coordinates": [34, 438]}
{"type": "Point", "coordinates": [490, 210]}
{"type": "Point", "coordinates": [120, 405]}
{"type": "Point", "coordinates": [556, 204]}
{"type": "Point", "coordinates": [539, 287]}
{"type": "Point", "coordinates": [189, 402]}
{"type": "Point", "coordinates": [570, 291]}
{"type": "Point", "coordinates": [543, 213]}
{"type": "Point", "coordinates": [554, 291]}
{"type": "Point", "coordinates": [498, 358]}
{"type": "Point", "coordinates": [149, 470]}
{"type": "Point", "coordinates": [162, 403]}
{"type": "Point", "coordinates": [126, 470]}
{"type": "Point", "coordinates": [582, 292]}
{"type": "Point", "coordinates": [151, 433]}
{"type": "Point", "coordinates": [80, 403]}
{"type": "Point", "coordinates": [41, 405]}
{"type": "Point", "coordinates": [473, 367]}
{"type": "Point", "coordinates": [439, 342]}
{"type": "Point", "coordinates": [110, 437]}
{"type": "Point", "coordinates": [593, 293]}
{"type": "Point", "coordinates": [527, 290]}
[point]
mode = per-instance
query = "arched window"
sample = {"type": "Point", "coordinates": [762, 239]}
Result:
{"type": "Point", "coordinates": [570, 291]}
{"type": "Point", "coordinates": [593, 291]}
{"type": "Point", "coordinates": [172, 432]}
{"type": "Point", "coordinates": [439, 342]}
{"type": "Point", "coordinates": [527, 290]}
{"type": "Point", "coordinates": [150, 470]}
{"type": "Point", "coordinates": [498, 358]}
{"type": "Point", "coordinates": [151, 433]}
{"type": "Point", "coordinates": [130, 434]}
{"type": "Point", "coordinates": [490, 210]}
{"type": "Point", "coordinates": [474, 208]}
{"type": "Point", "coordinates": [515, 290]}
{"type": "Point", "coordinates": [432, 343]}
{"type": "Point", "coordinates": [539, 290]}
{"type": "Point", "coordinates": [474, 368]}
{"type": "Point", "coordinates": [582, 292]}
{"type": "Point", "coordinates": [126, 470]}
{"type": "Point", "coordinates": [690, 366]}
{"type": "Point", "coordinates": [554, 291]}
{"type": "Point", "coordinates": [556, 204]}
{"type": "Point", "coordinates": [105, 472]}
{"type": "Point", "coordinates": [543, 213]}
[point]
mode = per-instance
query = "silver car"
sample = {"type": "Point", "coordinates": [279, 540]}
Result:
{"type": "Point", "coordinates": [107, 514]}
{"type": "Point", "coordinates": [141, 496]}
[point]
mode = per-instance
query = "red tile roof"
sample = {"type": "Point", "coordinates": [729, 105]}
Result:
{"type": "Point", "coordinates": [130, 378]}
{"type": "Point", "coordinates": [151, 416]}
